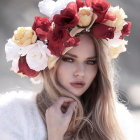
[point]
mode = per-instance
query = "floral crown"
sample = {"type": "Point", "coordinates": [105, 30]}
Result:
{"type": "Point", "coordinates": [32, 49]}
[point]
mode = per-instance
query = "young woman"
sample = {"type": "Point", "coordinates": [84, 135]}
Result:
{"type": "Point", "coordinates": [73, 55]}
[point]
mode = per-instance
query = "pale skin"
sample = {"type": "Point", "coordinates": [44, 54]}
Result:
{"type": "Point", "coordinates": [75, 65]}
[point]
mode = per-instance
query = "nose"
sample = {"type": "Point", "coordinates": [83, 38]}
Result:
{"type": "Point", "coordinates": [79, 71]}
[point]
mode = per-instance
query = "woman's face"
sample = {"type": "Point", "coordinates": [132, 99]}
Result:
{"type": "Point", "coordinates": [78, 67]}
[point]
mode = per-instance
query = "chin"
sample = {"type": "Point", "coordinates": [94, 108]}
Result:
{"type": "Point", "coordinates": [76, 93]}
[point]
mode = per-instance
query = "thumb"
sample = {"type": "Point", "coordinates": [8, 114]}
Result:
{"type": "Point", "coordinates": [71, 108]}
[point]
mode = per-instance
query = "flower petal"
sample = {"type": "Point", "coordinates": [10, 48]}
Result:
{"type": "Point", "coordinates": [37, 57]}
{"type": "Point", "coordinates": [11, 50]}
{"type": "Point", "coordinates": [50, 7]}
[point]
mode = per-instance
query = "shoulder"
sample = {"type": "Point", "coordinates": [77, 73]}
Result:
{"type": "Point", "coordinates": [126, 121]}
{"type": "Point", "coordinates": [11, 96]}
{"type": "Point", "coordinates": [16, 102]}
{"type": "Point", "coordinates": [19, 113]}
{"type": "Point", "coordinates": [15, 99]}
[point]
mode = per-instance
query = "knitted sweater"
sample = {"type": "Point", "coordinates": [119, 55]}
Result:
{"type": "Point", "coordinates": [20, 118]}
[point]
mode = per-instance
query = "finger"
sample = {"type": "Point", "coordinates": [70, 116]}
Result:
{"type": "Point", "coordinates": [62, 100]}
{"type": "Point", "coordinates": [71, 108]}
{"type": "Point", "coordinates": [65, 106]}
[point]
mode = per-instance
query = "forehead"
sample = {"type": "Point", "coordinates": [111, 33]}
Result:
{"type": "Point", "coordinates": [85, 48]}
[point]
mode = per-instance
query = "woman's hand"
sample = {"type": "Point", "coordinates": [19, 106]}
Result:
{"type": "Point", "coordinates": [58, 117]}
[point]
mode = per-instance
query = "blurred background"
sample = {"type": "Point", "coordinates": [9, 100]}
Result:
{"type": "Point", "coordinates": [15, 13]}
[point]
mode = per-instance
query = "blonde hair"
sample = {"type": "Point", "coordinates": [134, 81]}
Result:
{"type": "Point", "coordinates": [95, 116]}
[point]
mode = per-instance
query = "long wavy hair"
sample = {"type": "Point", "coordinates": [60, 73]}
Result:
{"type": "Point", "coordinates": [95, 115]}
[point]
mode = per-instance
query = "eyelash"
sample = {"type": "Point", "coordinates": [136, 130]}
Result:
{"type": "Point", "coordinates": [66, 59]}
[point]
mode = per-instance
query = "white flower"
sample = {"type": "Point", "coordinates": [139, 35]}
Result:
{"type": "Point", "coordinates": [116, 46]}
{"type": "Point", "coordinates": [37, 57]}
{"type": "Point", "coordinates": [117, 35]}
{"type": "Point", "coordinates": [15, 67]}
{"type": "Point", "coordinates": [119, 22]}
{"type": "Point", "coordinates": [24, 50]}
{"type": "Point", "coordinates": [12, 50]}
{"type": "Point", "coordinates": [50, 7]}
{"type": "Point", "coordinates": [13, 53]}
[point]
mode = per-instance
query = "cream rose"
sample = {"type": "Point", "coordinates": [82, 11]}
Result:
{"type": "Point", "coordinates": [116, 47]}
{"type": "Point", "coordinates": [85, 15]}
{"type": "Point", "coordinates": [115, 51]}
{"type": "Point", "coordinates": [119, 22]}
{"type": "Point", "coordinates": [24, 36]}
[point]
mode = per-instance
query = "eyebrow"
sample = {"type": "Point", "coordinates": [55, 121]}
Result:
{"type": "Point", "coordinates": [72, 55]}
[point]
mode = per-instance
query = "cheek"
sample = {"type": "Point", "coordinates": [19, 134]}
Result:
{"type": "Point", "coordinates": [92, 73]}
{"type": "Point", "coordinates": [63, 69]}
{"type": "Point", "coordinates": [63, 72]}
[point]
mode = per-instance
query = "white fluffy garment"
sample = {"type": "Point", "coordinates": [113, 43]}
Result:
{"type": "Point", "coordinates": [20, 118]}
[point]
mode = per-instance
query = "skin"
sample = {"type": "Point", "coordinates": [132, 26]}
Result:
{"type": "Point", "coordinates": [70, 70]}
{"type": "Point", "coordinates": [57, 122]}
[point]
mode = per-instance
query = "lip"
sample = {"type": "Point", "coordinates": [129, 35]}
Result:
{"type": "Point", "coordinates": [78, 84]}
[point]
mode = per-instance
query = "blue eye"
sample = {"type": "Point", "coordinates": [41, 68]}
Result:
{"type": "Point", "coordinates": [91, 62]}
{"type": "Point", "coordinates": [67, 59]}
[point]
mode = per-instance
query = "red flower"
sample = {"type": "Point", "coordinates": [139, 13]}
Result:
{"type": "Point", "coordinates": [80, 3]}
{"type": "Point", "coordinates": [56, 39]}
{"type": "Point", "coordinates": [41, 26]}
{"type": "Point", "coordinates": [68, 17]}
{"type": "Point", "coordinates": [109, 16]}
{"type": "Point", "coordinates": [103, 31]}
{"type": "Point", "coordinates": [59, 39]}
{"type": "Point", "coordinates": [24, 68]}
{"type": "Point", "coordinates": [88, 3]}
{"type": "Point", "coordinates": [126, 29]}
{"type": "Point", "coordinates": [56, 48]}
{"type": "Point", "coordinates": [100, 7]}
{"type": "Point", "coordinates": [72, 41]}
